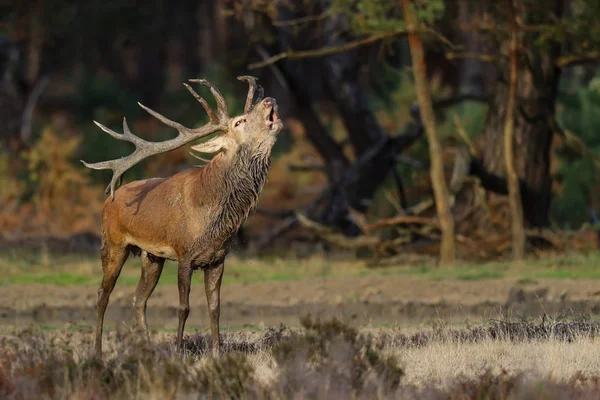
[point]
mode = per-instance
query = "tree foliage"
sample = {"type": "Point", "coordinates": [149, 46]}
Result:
{"type": "Point", "coordinates": [344, 81]}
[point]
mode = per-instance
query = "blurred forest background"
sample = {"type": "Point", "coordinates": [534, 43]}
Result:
{"type": "Point", "coordinates": [353, 158]}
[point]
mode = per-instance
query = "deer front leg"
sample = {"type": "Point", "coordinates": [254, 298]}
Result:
{"type": "Point", "coordinates": [212, 286]}
{"type": "Point", "coordinates": [184, 281]}
{"type": "Point", "coordinates": [113, 258]}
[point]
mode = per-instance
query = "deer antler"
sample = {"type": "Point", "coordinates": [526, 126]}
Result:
{"type": "Point", "coordinates": [144, 149]}
{"type": "Point", "coordinates": [252, 83]}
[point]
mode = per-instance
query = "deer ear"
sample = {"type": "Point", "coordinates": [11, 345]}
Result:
{"type": "Point", "coordinates": [214, 145]}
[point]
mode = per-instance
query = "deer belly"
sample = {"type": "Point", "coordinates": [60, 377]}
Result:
{"type": "Point", "coordinates": [157, 250]}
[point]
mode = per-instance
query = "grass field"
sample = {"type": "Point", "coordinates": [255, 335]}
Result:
{"type": "Point", "coordinates": [322, 360]}
{"type": "Point", "coordinates": [22, 268]}
{"type": "Point", "coordinates": [409, 331]}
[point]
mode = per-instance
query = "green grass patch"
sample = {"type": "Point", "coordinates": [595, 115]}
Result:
{"type": "Point", "coordinates": [78, 270]}
{"type": "Point", "coordinates": [526, 281]}
{"type": "Point", "coordinates": [461, 272]}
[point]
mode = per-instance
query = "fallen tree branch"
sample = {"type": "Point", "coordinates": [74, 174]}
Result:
{"type": "Point", "coordinates": [415, 131]}
{"type": "Point", "coordinates": [289, 222]}
{"type": "Point", "coordinates": [335, 238]}
{"type": "Point", "coordinates": [488, 58]}
{"type": "Point", "coordinates": [495, 183]}
{"type": "Point", "coordinates": [555, 240]}
{"type": "Point", "coordinates": [402, 220]}
{"type": "Point", "coordinates": [402, 141]}
{"type": "Point", "coordinates": [349, 177]}
{"type": "Point", "coordinates": [380, 247]}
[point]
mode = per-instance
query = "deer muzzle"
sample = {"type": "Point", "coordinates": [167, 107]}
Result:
{"type": "Point", "coordinates": [272, 115]}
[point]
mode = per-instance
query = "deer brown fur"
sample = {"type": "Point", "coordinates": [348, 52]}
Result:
{"type": "Point", "coordinates": [192, 216]}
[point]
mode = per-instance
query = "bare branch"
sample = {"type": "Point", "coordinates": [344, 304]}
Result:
{"type": "Point", "coordinates": [394, 203]}
{"type": "Point", "coordinates": [302, 20]}
{"type": "Point", "coordinates": [276, 71]}
{"type": "Point", "coordinates": [401, 158]}
{"type": "Point", "coordinates": [326, 51]}
{"type": "Point", "coordinates": [338, 239]}
{"type": "Point", "coordinates": [488, 58]}
{"type": "Point", "coordinates": [574, 142]}
{"type": "Point", "coordinates": [575, 59]}
{"type": "Point", "coordinates": [402, 220]}
{"type": "Point", "coordinates": [443, 38]}
{"type": "Point", "coordinates": [463, 134]}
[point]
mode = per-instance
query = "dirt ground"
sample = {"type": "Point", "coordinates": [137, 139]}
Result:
{"type": "Point", "coordinates": [376, 300]}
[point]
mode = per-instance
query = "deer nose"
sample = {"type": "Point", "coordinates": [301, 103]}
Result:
{"type": "Point", "coordinates": [269, 102]}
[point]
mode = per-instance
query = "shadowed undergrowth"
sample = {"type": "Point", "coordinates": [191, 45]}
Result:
{"type": "Point", "coordinates": [518, 331]}
{"type": "Point", "coordinates": [322, 360]}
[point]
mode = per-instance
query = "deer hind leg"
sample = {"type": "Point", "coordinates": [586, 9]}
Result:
{"type": "Point", "coordinates": [113, 257]}
{"type": "Point", "coordinates": [212, 286]}
{"type": "Point", "coordinates": [184, 281]}
{"type": "Point", "coordinates": [151, 270]}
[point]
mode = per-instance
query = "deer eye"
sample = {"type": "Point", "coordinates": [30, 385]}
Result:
{"type": "Point", "coordinates": [239, 122]}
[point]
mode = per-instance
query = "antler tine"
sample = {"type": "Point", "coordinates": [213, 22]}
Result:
{"type": "Point", "coordinates": [220, 119]}
{"type": "Point", "coordinates": [209, 111]}
{"type": "Point", "coordinates": [109, 131]}
{"type": "Point", "coordinates": [222, 112]}
{"type": "Point", "coordinates": [144, 149]}
{"type": "Point", "coordinates": [167, 121]}
{"type": "Point", "coordinates": [117, 174]}
{"type": "Point", "coordinates": [199, 158]}
{"type": "Point", "coordinates": [251, 89]}
{"type": "Point", "coordinates": [127, 135]}
{"type": "Point", "coordinates": [118, 170]}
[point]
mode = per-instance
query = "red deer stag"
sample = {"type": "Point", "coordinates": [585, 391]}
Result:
{"type": "Point", "coordinates": [192, 216]}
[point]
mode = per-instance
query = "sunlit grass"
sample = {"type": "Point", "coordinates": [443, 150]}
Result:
{"type": "Point", "coordinates": [34, 268]}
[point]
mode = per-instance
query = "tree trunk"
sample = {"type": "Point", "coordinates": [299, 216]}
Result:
{"type": "Point", "coordinates": [12, 99]}
{"type": "Point", "coordinates": [295, 74]}
{"type": "Point", "coordinates": [514, 193]}
{"type": "Point", "coordinates": [341, 82]}
{"type": "Point", "coordinates": [472, 72]}
{"type": "Point", "coordinates": [341, 72]}
{"type": "Point", "coordinates": [536, 98]}
{"type": "Point", "coordinates": [437, 167]}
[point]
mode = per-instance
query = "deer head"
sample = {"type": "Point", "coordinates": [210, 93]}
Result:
{"type": "Point", "coordinates": [256, 128]}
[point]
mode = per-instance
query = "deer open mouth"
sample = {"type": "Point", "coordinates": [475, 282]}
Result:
{"type": "Point", "coordinates": [272, 117]}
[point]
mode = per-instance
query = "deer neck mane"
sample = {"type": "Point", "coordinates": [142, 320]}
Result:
{"type": "Point", "coordinates": [241, 178]}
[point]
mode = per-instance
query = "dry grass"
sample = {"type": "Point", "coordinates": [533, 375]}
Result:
{"type": "Point", "coordinates": [443, 363]}
{"type": "Point", "coordinates": [556, 359]}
